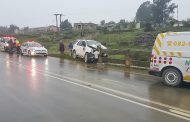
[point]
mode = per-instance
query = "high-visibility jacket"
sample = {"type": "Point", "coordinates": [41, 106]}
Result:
{"type": "Point", "coordinates": [17, 43]}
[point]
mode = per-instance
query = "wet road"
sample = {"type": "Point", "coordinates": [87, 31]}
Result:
{"type": "Point", "coordinates": [56, 90]}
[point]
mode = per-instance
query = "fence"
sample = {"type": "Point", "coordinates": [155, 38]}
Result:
{"type": "Point", "coordinates": [132, 58]}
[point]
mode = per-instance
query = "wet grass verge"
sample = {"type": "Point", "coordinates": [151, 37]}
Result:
{"type": "Point", "coordinates": [111, 62]}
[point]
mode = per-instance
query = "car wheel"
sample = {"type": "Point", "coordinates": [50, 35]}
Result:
{"type": "Point", "coordinates": [5, 49]}
{"type": "Point", "coordinates": [86, 58]}
{"type": "Point", "coordinates": [96, 61]}
{"type": "Point", "coordinates": [21, 52]}
{"type": "Point", "coordinates": [74, 55]}
{"type": "Point", "coordinates": [172, 77]}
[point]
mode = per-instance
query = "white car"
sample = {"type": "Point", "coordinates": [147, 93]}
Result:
{"type": "Point", "coordinates": [89, 50]}
{"type": "Point", "coordinates": [32, 49]}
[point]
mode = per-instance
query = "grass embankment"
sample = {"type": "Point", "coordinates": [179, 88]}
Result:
{"type": "Point", "coordinates": [122, 41]}
{"type": "Point", "coordinates": [114, 41]}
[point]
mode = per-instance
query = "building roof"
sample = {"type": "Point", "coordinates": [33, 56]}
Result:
{"type": "Point", "coordinates": [87, 23]}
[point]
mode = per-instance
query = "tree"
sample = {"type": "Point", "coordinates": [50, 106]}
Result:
{"type": "Point", "coordinates": [111, 23]}
{"type": "Point", "coordinates": [12, 29]}
{"type": "Point", "coordinates": [66, 25]}
{"type": "Point", "coordinates": [26, 29]}
{"type": "Point", "coordinates": [144, 12]}
{"type": "Point", "coordinates": [103, 22]}
{"type": "Point", "coordinates": [3, 30]}
{"type": "Point", "coordinates": [186, 23]}
{"type": "Point", "coordinates": [123, 23]}
{"type": "Point", "coordinates": [132, 25]}
{"type": "Point", "coordinates": [162, 10]}
{"type": "Point", "coordinates": [148, 27]}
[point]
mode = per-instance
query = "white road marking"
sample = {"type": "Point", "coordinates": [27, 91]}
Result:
{"type": "Point", "coordinates": [120, 92]}
{"type": "Point", "coordinates": [118, 97]}
{"type": "Point", "coordinates": [110, 80]}
{"type": "Point", "coordinates": [180, 113]}
{"type": "Point", "coordinates": [112, 90]}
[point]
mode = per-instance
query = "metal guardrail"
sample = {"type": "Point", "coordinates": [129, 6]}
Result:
{"type": "Point", "coordinates": [132, 58]}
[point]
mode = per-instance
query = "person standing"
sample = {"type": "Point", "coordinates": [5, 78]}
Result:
{"type": "Point", "coordinates": [70, 46]}
{"type": "Point", "coordinates": [61, 47]}
{"type": "Point", "coordinates": [17, 46]}
{"type": "Point", "coordinates": [10, 42]}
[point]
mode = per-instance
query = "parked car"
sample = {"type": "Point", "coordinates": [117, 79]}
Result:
{"type": "Point", "coordinates": [89, 50]}
{"type": "Point", "coordinates": [32, 48]}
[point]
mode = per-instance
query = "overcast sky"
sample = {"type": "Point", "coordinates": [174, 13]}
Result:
{"type": "Point", "coordinates": [35, 13]}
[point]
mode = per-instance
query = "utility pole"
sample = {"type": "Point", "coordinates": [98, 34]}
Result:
{"type": "Point", "coordinates": [56, 15]}
{"type": "Point", "coordinates": [58, 25]}
{"type": "Point", "coordinates": [178, 15]}
{"type": "Point", "coordinates": [60, 18]}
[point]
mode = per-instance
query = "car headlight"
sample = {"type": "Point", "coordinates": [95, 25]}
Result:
{"type": "Point", "coordinates": [32, 53]}
{"type": "Point", "coordinates": [32, 50]}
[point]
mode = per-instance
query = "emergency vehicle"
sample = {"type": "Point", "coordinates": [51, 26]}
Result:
{"type": "Point", "coordinates": [4, 45]}
{"type": "Point", "coordinates": [32, 48]}
{"type": "Point", "coordinates": [171, 58]}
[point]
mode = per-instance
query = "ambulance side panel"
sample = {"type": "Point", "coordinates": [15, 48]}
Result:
{"type": "Point", "coordinates": [176, 48]}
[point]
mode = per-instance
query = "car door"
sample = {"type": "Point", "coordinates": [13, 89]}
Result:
{"type": "Point", "coordinates": [78, 48]}
{"type": "Point", "coordinates": [82, 49]}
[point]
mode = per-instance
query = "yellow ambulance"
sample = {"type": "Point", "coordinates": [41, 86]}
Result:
{"type": "Point", "coordinates": [171, 58]}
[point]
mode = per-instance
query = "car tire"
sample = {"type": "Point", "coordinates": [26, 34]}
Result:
{"type": "Point", "coordinates": [172, 77]}
{"type": "Point", "coordinates": [86, 58]}
{"type": "Point", "coordinates": [21, 52]}
{"type": "Point", "coordinates": [5, 50]}
{"type": "Point", "coordinates": [74, 55]}
{"type": "Point", "coordinates": [96, 61]}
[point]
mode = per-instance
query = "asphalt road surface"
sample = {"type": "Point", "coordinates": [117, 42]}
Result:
{"type": "Point", "coordinates": [38, 89]}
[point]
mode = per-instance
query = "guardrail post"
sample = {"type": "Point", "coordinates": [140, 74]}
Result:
{"type": "Point", "coordinates": [100, 56]}
{"type": "Point", "coordinates": [127, 59]}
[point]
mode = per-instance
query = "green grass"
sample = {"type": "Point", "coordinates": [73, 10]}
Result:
{"type": "Point", "coordinates": [117, 40]}
{"type": "Point", "coordinates": [118, 37]}
{"type": "Point", "coordinates": [112, 41]}
{"type": "Point", "coordinates": [120, 57]}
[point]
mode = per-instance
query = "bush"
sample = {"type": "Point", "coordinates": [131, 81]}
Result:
{"type": "Point", "coordinates": [148, 27]}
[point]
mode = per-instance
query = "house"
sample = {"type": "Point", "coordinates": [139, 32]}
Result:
{"type": "Point", "coordinates": [85, 26]}
{"type": "Point", "coordinates": [180, 24]}
{"type": "Point", "coordinates": [26, 30]}
{"type": "Point", "coordinates": [50, 28]}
